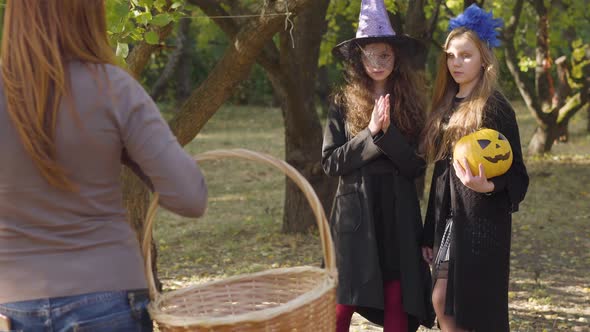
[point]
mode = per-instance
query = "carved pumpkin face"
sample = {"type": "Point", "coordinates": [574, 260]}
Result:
{"type": "Point", "coordinates": [487, 147]}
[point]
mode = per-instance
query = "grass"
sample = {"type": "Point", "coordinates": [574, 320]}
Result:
{"type": "Point", "coordinates": [549, 286]}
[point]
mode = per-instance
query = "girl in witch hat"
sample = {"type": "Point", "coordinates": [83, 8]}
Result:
{"type": "Point", "coordinates": [370, 143]}
{"type": "Point", "coordinates": [468, 220]}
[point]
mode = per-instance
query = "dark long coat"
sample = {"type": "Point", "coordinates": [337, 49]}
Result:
{"type": "Point", "coordinates": [359, 275]}
{"type": "Point", "coordinates": [477, 288]}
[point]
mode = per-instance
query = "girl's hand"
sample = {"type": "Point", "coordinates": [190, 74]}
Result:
{"type": "Point", "coordinates": [478, 183]}
{"type": "Point", "coordinates": [427, 254]}
{"type": "Point", "coordinates": [385, 114]}
{"type": "Point", "coordinates": [376, 123]}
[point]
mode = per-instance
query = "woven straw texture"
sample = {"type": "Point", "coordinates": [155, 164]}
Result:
{"type": "Point", "coordinates": [286, 299]}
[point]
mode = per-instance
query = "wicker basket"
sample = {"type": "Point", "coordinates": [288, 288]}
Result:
{"type": "Point", "coordinates": [286, 299]}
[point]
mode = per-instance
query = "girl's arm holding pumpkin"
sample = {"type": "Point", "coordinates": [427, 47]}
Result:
{"type": "Point", "coordinates": [516, 180]}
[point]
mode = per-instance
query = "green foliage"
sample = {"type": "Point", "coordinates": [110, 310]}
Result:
{"type": "Point", "coordinates": [456, 6]}
{"type": "Point", "coordinates": [569, 25]}
{"type": "Point", "coordinates": [207, 45]}
{"type": "Point", "coordinates": [131, 21]}
{"type": "Point", "coordinates": [122, 50]}
{"type": "Point", "coordinates": [579, 61]}
{"type": "Point", "coordinates": [2, 5]}
{"type": "Point", "coordinates": [525, 63]}
{"type": "Point", "coordinates": [342, 17]}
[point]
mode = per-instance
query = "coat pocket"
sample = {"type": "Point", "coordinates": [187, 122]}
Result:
{"type": "Point", "coordinates": [347, 213]}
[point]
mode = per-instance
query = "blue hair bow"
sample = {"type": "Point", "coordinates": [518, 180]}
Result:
{"type": "Point", "coordinates": [482, 23]}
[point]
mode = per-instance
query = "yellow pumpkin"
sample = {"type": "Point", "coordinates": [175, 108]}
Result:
{"type": "Point", "coordinates": [487, 147]}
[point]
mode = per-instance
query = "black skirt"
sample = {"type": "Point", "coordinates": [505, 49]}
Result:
{"type": "Point", "coordinates": [385, 225]}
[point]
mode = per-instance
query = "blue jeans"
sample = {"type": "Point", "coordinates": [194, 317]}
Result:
{"type": "Point", "coordinates": [104, 311]}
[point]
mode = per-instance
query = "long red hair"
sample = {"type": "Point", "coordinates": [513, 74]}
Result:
{"type": "Point", "coordinates": [39, 38]}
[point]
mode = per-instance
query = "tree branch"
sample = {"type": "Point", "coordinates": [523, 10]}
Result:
{"type": "Point", "coordinates": [415, 27]}
{"type": "Point", "coordinates": [212, 8]}
{"type": "Point", "coordinates": [526, 91]}
{"type": "Point", "coordinates": [268, 59]}
{"type": "Point", "coordinates": [563, 86]}
{"type": "Point", "coordinates": [433, 20]}
{"type": "Point", "coordinates": [141, 53]}
{"type": "Point", "coordinates": [581, 100]}
{"type": "Point", "coordinates": [233, 67]}
{"type": "Point", "coordinates": [173, 59]}
{"type": "Point", "coordinates": [570, 109]}
{"type": "Point", "coordinates": [542, 57]}
{"type": "Point", "coordinates": [467, 3]}
{"type": "Point", "coordinates": [448, 10]}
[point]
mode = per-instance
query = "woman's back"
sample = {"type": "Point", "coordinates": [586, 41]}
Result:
{"type": "Point", "coordinates": [62, 243]}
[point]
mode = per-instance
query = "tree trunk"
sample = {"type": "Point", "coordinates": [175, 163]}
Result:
{"type": "Point", "coordinates": [136, 198]}
{"type": "Point", "coordinates": [135, 193]}
{"type": "Point", "coordinates": [562, 134]}
{"type": "Point", "coordinates": [418, 27]}
{"type": "Point", "coordinates": [543, 60]}
{"type": "Point", "coordinates": [174, 58]}
{"type": "Point", "coordinates": [542, 140]}
{"type": "Point", "coordinates": [546, 131]}
{"type": "Point", "coordinates": [552, 111]}
{"type": "Point", "coordinates": [140, 54]}
{"type": "Point", "coordinates": [231, 69]}
{"type": "Point", "coordinates": [207, 98]}
{"type": "Point", "coordinates": [303, 132]}
{"type": "Point", "coordinates": [292, 73]}
{"type": "Point", "coordinates": [185, 66]}
{"type": "Point", "coordinates": [554, 124]}
{"type": "Point", "coordinates": [563, 90]}
{"type": "Point", "coordinates": [323, 90]}
{"type": "Point", "coordinates": [586, 85]}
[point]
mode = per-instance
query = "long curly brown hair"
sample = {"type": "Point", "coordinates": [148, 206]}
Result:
{"type": "Point", "coordinates": [406, 88]}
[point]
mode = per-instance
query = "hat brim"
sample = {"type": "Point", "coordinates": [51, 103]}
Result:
{"type": "Point", "coordinates": [403, 43]}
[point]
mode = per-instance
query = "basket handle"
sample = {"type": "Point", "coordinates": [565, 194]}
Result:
{"type": "Point", "coordinates": [290, 171]}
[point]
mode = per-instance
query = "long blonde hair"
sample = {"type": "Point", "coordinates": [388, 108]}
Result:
{"type": "Point", "coordinates": [407, 96]}
{"type": "Point", "coordinates": [40, 37]}
{"type": "Point", "coordinates": [470, 114]}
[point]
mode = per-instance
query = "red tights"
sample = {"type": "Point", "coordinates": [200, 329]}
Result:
{"type": "Point", "coordinates": [395, 319]}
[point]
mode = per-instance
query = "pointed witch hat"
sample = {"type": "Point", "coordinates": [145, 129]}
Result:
{"type": "Point", "coordinates": [375, 27]}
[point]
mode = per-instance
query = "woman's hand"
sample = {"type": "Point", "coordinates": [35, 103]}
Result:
{"type": "Point", "coordinates": [376, 123]}
{"type": "Point", "coordinates": [385, 114]}
{"type": "Point", "coordinates": [427, 254]}
{"type": "Point", "coordinates": [479, 183]}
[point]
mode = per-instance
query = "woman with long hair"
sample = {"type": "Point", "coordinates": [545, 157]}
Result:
{"type": "Point", "coordinates": [370, 144]}
{"type": "Point", "coordinates": [468, 219]}
{"type": "Point", "coordinates": [69, 258]}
